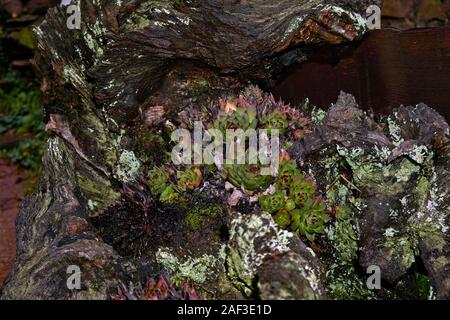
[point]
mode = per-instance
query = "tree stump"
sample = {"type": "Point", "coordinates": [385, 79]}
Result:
{"type": "Point", "coordinates": [113, 92]}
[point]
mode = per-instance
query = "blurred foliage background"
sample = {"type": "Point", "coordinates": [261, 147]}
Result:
{"type": "Point", "coordinates": [22, 135]}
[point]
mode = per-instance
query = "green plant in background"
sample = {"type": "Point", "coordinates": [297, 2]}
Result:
{"type": "Point", "coordinates": [310, 219]}
{"type": "Point", "coordinates": [21, 113]}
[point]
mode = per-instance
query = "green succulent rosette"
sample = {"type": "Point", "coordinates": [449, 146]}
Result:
{"type": "Point", "coordinates": [272, 202]}
{"type": "Point", "coordinates": [238, 119]}
{"type": "Point", "coordinates": [310, 219]}
{"type": "Point", "coordinates": [247, 176]}
{"type": "Point", "coordinates": [275, 120]}
{"type": "Point", "coordinates": [301, 191]}
{"type": "Point", "coordinates": [189, 179]}
{"type": "Point", "coordinates": [169, 195]}
{"type": "Point", "coordinates": [158, 179]}
{"type": "Point", "coordinates": [282, 218]}
{"type": "Point", "coordinates": [287, 173]}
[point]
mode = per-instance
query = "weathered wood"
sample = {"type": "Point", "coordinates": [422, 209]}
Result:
{"type": "Point", "coordinates": [100, 83]}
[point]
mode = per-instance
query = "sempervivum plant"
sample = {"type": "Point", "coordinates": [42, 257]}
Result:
{"type": "Point", "coordinates": [247, 176]}
{"type": "Point", "coordinates": [301, 190]}
{"type": "Point", "coordinates": [275, 120]}
{"type": "Point", "coordinates": [272, 202]}
{"type": "Point", "coordinates": [156, 289]}
{"type": "Point", "coordinates": [294, 203]}
{"type": "Point", "coordinates": [235, 115]}
{"type": "Point", "coordinates": [287, 172]}
{"type": "Point", "coordinates": [159, 180]}
{"type": "Point", "coordinates": [310, 219]}
{"type": "Point", "coordinates": [170, 187]}
{"type": "Point", "coordinates": [189, 179]}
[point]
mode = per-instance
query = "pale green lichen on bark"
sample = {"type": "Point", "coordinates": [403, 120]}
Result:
{"type": "Point", "coordinates": [243, 257]}
{"type": "Point", "coordinates": [128, 166]}
{"type": "Point", "coordinates": [196, 269]}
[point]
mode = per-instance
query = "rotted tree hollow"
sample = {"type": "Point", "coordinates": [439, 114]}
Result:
{"type": "Point", "coordinates": [136, 66]}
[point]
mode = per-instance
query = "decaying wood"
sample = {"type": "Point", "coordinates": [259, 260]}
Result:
{"type": "Point", "coordinates": [101, 85]}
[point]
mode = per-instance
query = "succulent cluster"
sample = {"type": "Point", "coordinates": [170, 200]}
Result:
{"type": "Point", "coordinates": [171, 184]}
{"type": "Point", "coordinates": [294, 203]}
{"type": "Point", "coordinates": [232, 117]}
{"type": "Point", "coordinates": [292, 200]}
{"type": "Point", "coordinates": [156, 289]}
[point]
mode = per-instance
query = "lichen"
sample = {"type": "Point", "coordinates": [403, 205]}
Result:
{"type": "Point", "coordinates": [317, 116]}
{"type": "Point", "coordinates": [128, 167]}
{"type": "Point", "coordinates": [400, 247]}
{"type": "Point", "coordinates": [252, 238]}
{"type": "Point", "coordinates": [342, 280]}
{"type": "Point", "coordinates": [196, 269]}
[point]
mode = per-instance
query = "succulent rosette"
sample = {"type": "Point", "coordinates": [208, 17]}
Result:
{"type": "Point", "coordinates": [272, 202]}
{"type": "Point", "coordinates": [310, 219]}
{"type": "Point", "coordinates": [189, 179]}
{"type": "Point", "coordinates": [247, 176]}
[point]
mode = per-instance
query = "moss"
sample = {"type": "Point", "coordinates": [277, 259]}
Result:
{"type": "Point", "coordinates": [150, 146]}
{"type": "Point", "coordinates": [97, 190]}
{"type": "Point", "coordinates": [423, 285]}
{"type": "Point", "coordinates": [198, 215]}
